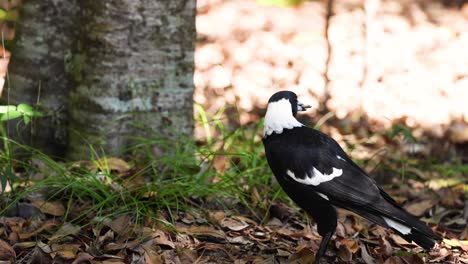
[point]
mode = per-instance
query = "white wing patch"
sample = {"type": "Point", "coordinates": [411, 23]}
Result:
{"type": "Point", "coordinates": [323, 196]}
{"type": "Point", "coordinates": [317, 177]}
{"type": "Point", "coordinates": [278, 117]}
{"type": "Point", "coordinates": [399, 227]}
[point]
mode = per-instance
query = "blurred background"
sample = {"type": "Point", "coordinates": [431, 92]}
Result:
{"type": "Point", "coordinates": [371, 64]}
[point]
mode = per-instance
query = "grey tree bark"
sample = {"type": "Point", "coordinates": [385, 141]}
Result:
{"type": "Point", "coordinates": [104, 68]}
{"type": "Point", "coordinates": [45, 34]}
{"type": "Point", "coordinates": [136, 67]}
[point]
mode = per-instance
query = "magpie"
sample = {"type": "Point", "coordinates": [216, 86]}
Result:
{"type": "Point", "coordinates": [318, 176]}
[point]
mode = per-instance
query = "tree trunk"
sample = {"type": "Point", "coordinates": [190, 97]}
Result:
{"type": "Point", "coordinates": [45, 33]}
{"type": "Point", "coordinates": [135, 68]}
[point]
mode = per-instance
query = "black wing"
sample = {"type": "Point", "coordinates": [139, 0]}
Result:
{"type": "Point", "coordinates": [308, 150]}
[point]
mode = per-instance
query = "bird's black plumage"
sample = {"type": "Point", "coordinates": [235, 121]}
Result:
{"type": "Point", "coordinates": [317, 174]}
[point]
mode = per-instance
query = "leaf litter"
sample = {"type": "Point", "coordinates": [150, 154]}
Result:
{"type": "Point", "coordinates": [33, 231]}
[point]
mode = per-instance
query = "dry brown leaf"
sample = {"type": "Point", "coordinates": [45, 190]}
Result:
{"type": "Point", "coordinates": [160, 238]}
{"type": "Point", "coordinates": [112, 164]}
{"type": "Point", "coordinates": [187, 255]}
{"type": "Point", "coordinates": [244, 219]}
{"type": "Point", "coordinates": [421, 207]}
{"type": "Point", "coordinates": [217, 216]}
{"type": "Point", "coordinates": [83, 257]}
{"type": "Point", "coordinates": [53, 208]}
{"type": "Point", "coordinates": [399, 240]}
{"type": "Point", "coordinates": [39, 256]}
{"type": "Point", "coordinates": [151, 257]}
{"type": "Point", "coordinates": [368, 259]}
{"type": "Point", "coordinates": [109, 235]}
{"type": "Point", "coordinates": [135, 183]}
{"type": "Point", "coordinates": [65, 230]}
{"type": "Point", "coordinates": [15, 224]}
{"type": "Point", "coordinates": [45, 226]}
{"type": "Point", "coordinates": [23, 210]}
{"type": "Point", "coordinates": [412, 259]}
{"type": "Point", "coordinates": [114, 246]}
{"type": "Point", "coordinates": [385, 249]}
{"type": "Point", "coordinates": [6, 252]}
{"type": "Point", "coordinates": [24, 245]}
{"type": "Point", "coordinates": [344, 253]}
{"type": "Point", "coordinates": [449, 197]}
{"type": "Point", "coordinates": [351, 244]}
{"type": "Point", "coordinates": [441, 254]}
{"type": "Point", "coordinates": [303, 256]}
{"type": "Point", "coordinates": [239, 240]}
{"type": "Point", "coordinates": [120, 224]}
{"type": "Point", "coordinates": [66, 251]}
{"type": "Point", "coordinates": [199, 230]}
{"type": "Point", "coordinates": [234, 225]}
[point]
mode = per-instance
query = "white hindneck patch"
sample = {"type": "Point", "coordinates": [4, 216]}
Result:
{"type": "Point", "coordinates": [317, 177]}
{"type": "Point", "coordinates": [278, 117]}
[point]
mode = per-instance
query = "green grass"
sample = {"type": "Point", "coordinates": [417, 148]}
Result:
{"type": "Point", "coordinates": [227, 170]}
{"type": "Point", "coordinates": [185, 176]}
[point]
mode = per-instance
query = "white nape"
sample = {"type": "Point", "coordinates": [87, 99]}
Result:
{"type": "Point", "coordinates": [397, 226]}
{"type": "Point", "coordinates": [317, 177]}
{"type": "Point", "coordinates": [278, 117]}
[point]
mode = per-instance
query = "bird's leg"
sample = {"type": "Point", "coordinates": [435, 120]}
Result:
{"type": "Point", "coordinates": [323, 246]}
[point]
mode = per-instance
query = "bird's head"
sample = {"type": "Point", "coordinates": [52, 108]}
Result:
{"type": "Point", "coordinates": [282, 109]}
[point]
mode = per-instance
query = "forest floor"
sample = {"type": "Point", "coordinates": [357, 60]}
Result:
{"type": "Point", "coordinates": [390, 72]}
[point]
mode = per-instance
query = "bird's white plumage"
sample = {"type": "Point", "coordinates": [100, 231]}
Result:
{"type": "Point", "coordinates": [399, 227]}
{"type": "Point", "coordinates": [323, 196]}
{"type": "Point", "coordinates": [316, 176]}
{"type": "Point", "coordinates": [278, 117]}
{"type": "Point", "coordinates": [340, 158]}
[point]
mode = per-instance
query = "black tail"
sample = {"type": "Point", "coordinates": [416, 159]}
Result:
{"type": "Point", "coordinates": [422, 239]}
{"type": "Point", "coordinates": [406, 225]}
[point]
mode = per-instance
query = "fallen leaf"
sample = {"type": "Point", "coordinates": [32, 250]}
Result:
{"type": "Point", "coordinates": [385, 248]}
{"type": "Point", "coordinates": [399, 240]}
{"type": "Point", "coordinates": [65, 230]}
{"type": "Point", "coordinates": [344, 253]}
{"type": "Point", "coordinates": [412, 259]}
{"type": "Point", "coordinates": [239, 240]}
{"type": "Point", "coordinates": [442, 254]}
{"type": "Point", "coordinates": [187, 255]}
{"type": "Point", "coordinates": [83, 257]}
{"type": "Point", "coordinates": [463, 244]}
{"type": "Point", "coordinates": [217, 216]}
{"type": "Point", "coordinates": [66, 251]}
{"type": "Point", "coordinates": [24, 210]}
{"type": "Point", "coordinates": [204, 230]}
{"type": "Point", "coordinates": [351, 244]}
{"type": "Point", "coordinates": [6, 252]}
{"type": "Point", "coordinates": [39, 256]}
{"type": "Point", "coordinates": [45, 226]}
{"type": "Point", "coordinates": [368, 259]}
{"type": "Point", "coordinates": [151, 257]}
{"type": "Point", "coordinates": [160, 238]}
{"type": "Point", "coordinates": [120, 224]}
{"type": "Point", "coordinates": [303, 256]}
{"type": "Point", "coordinates": [234, 225]}
{"type": "Point", "coordinates": [421, 207]}
{"type": "Point", "coordinates": [111, 164]}
{"type": "Point", "coordinates": [53, 208]}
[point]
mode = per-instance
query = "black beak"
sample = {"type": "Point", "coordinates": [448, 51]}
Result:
{"type": "Point", "coordinates": [302, 107]}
